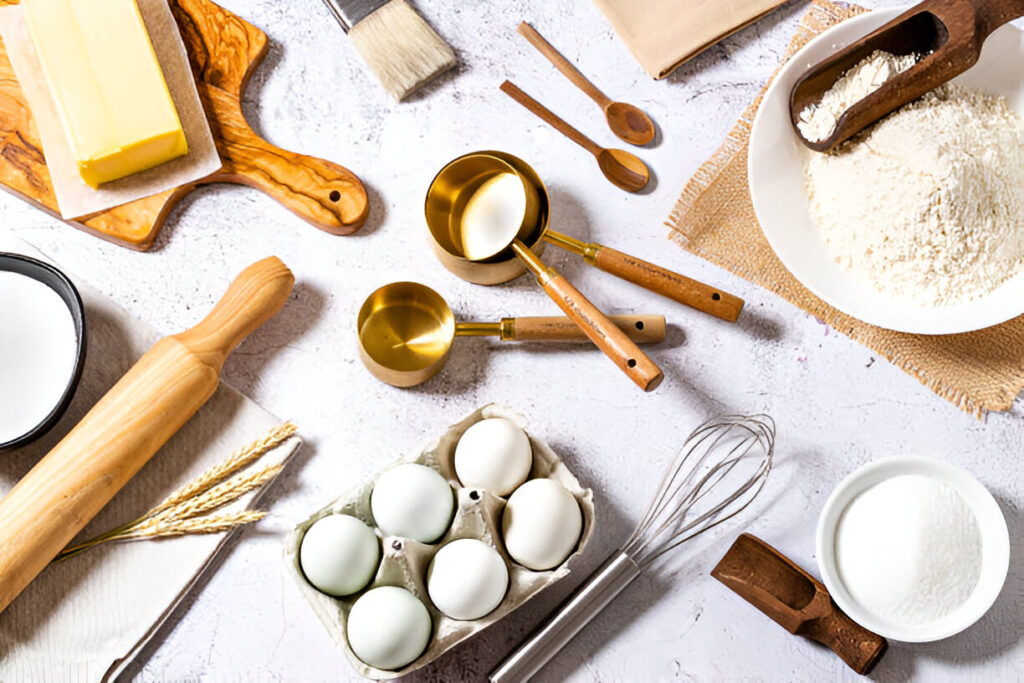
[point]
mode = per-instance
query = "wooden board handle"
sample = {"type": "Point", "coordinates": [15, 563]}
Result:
{"type": "Point", "coordinates": [603, 332]}
{"type": "Point", "coordinates": [643, 329]}
{"type": "Point", "coordinates": [550, 117]}
{"type": "Point", "coordinates": [668, 283]}
{"type": "Point", "coordinates": [125, 428]}
{"type": "Point", "coordinates": [563, 64]}
{"type": "Point", "coordinates": [253, 297]}
{"type": "Point", "coordinates": [324, 194]}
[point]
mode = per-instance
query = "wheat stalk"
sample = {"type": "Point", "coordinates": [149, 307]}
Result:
{"type": "Point", "coordinates": [238, 460]}
{"type": "Point", "coordinates": [218, 496]}
{"type": "Point", "coordinates": [185, 510]}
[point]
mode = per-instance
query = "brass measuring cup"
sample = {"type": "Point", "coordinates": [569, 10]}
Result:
{"type": "Point", "coordinates": [508, 254]}
{"type": "Point", "coordinates": [406, 331]}
{"type": "Point", "coordinates": [654, 278]}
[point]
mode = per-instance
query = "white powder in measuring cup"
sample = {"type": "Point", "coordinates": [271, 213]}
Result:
{"type": "Point", "coordinates": [908, 549]}
{"type": "Point", "coordinates": [38, 347]}
{"type": "Point", "coordinates": [927, 205]}
{"type": "Point", "coordinates": [817, 121]}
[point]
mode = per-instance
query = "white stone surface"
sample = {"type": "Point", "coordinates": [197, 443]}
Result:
{"type": "Point", "coordinates": [836, 405]}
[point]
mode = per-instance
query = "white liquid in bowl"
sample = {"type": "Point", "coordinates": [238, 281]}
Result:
{"type": "Point", "coordinates": [38, 347]}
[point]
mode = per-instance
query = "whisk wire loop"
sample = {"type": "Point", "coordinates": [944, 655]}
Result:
{"type": "Point", "coordinates": [694, 497]}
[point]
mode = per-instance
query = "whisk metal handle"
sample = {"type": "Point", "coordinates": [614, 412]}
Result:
{"type": "Point", "coordinates": [569, 619]}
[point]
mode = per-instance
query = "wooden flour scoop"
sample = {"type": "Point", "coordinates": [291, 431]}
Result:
{"type": "Point", "coordinates": [158, 395]}
{"type": "Point", "coordinates": [224, 50]}
{"type": "Point", "coordinates": [797, 601]}
{"type": "Point", "coordinates": [946, 34]}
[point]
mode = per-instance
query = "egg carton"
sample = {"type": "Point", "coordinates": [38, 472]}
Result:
{"type": "Point", "coordinates": [404, 561]}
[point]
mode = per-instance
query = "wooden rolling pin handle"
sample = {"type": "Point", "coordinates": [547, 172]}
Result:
{"type": "Point", "coordinates": [253, 297]}
{"type": "Point", "coordinates": [855, 645]}
{"type": "Point", "coordinates": [609, 338]}
{"type": "Point", "coordinates": [643, 329]}
{"type": "Point", "coordinates": [668, 283]}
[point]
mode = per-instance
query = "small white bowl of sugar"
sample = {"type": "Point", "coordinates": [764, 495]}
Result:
{"type": "Point", "coordinates": [913, 548]}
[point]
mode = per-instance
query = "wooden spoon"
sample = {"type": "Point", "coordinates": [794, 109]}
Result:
{"type": "Point", "coordinates": [623, 169]}
{"type": "Point", "coordinates": [797, 601]}
{"type": "Point", "coordinates": [949, 33]}
{"type": "Point", "coordinates": [629, 123]}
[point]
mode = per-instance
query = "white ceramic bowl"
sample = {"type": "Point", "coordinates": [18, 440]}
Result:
{"type": "Point", "coordinates": [775, 175]}
{"type": "Point", "coordinates": [995, 543]}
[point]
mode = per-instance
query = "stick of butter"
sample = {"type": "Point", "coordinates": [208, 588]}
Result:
{"type": "Point", "coordinates": [106, 85]}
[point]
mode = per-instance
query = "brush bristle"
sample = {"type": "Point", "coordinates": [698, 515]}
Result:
{"type": "Point", "coordinates": [401, 48]}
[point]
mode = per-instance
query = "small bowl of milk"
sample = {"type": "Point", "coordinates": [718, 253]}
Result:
{"type": "Point", "coordinates": [913, 548]}
{"type": "Point", "coordinates": [42, 347]}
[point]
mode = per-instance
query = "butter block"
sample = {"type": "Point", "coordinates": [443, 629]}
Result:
{"type": "Point", "coordinates": [106, 84]}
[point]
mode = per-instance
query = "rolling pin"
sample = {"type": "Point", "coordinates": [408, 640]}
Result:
{"type": "Point", "coordinates": [158, 395]}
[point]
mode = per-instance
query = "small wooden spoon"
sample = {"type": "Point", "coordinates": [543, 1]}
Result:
{"type": "Point", "coordinates": [797, 601]}
{"type": "Point", "coordinates": [623, 169]}
{"type": "Point", "coordinates": [629, 123]}
{"type": "Point", "coordinates": [948, 33]}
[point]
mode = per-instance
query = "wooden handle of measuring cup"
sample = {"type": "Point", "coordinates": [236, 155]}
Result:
{"type": "Point", "coordinates": [171, 381]}
{"type": "Point", "coordinates": [668, 283]}
{"type": "Point", "coordinates": [643, 329]}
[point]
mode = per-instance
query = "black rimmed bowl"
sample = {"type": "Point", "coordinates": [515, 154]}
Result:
{"type": "Point", "coordinates": [65, 289]}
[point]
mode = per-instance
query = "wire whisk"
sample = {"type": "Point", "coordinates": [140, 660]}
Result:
{"type": "Point", "coordinates": [716, 474]}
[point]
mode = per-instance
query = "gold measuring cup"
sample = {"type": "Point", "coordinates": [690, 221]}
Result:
{"type": "Point", "coordinates": [406, 330]}
{"type": "Point", "coordinates": [482, 252]}
{"type": "Point", "coordinates": [675, 286]}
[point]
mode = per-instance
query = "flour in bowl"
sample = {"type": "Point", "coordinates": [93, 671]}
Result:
{"type": "Point", "coordinates": [927, 204]}
{"type": "Point", "coordinates": [817, 121]}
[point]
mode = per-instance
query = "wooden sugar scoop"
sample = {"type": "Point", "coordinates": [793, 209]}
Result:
{"type": "Point", "coordinates": [946, 34]}
{"type": "Point", "coordinates": [158, 395]}
{"type": "Point", "coordinates": [797, 601]}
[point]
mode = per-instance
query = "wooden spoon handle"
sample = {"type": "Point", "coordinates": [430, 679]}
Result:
{"type": "Point", "coordinates": [855, 645]}
{"type": "Point", "coordinates": [995, 13]}
{"type": "Point", "coordinates": [551, 118]}
{"type": "Point", "coordinates": [643, 329]}
{"type": "Point", "coordinates": [563, 64]}
{"type": "Point", "coordinates": [324, 194]}
{"type": "Point", "coordinates": [668, 283]}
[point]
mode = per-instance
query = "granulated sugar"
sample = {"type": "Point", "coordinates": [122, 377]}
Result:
{"type": "Point", "coordinates": [928, 204]}
{"type": "Point", "coordinates": [909, 550]}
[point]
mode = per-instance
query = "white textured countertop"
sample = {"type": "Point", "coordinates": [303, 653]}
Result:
{"type": "Point", "coordinates": [836, 405]}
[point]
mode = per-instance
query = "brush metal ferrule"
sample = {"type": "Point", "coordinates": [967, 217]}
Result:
{"type": "Point", "coordinates": [569, 619]}
{"type": "Point", "coordinates": [351, 12]}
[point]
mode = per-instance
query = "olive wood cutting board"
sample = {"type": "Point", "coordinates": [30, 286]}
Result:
{"type": "Point", "coordinates": [224, 50]}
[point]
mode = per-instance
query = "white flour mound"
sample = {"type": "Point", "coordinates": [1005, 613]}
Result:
{"type": "Point", "coordinates": [817, 121]}
{"type": "Point", "coordinates": [928, 204]}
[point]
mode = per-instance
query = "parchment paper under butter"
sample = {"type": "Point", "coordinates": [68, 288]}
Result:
{"type": "Point", "coordinates": [75, 198]}
{"type": "Point", "coordinates": [90, 615]}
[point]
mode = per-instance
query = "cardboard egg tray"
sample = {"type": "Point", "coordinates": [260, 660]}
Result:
{"type": "Point", "coordinates": [404, 561]}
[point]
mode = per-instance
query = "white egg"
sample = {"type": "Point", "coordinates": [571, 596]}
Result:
{"type": "Point", "coordinates": [494, 455]}
{"type": "Point", "coordinates": [388, 627]}
{"type": "Point", "coordinates": [412, 501]}
{"type": "Point", "coordinates": [339, 555]}
{"type": "Point", "coordinates": [541, 524]}
{"type": "Point", "coordinates": [467, 579]}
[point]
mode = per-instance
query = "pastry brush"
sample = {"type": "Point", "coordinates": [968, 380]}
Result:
{"type": "Point", "coordinates": [397, 44]}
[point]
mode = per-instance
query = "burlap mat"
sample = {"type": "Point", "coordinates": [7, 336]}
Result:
{"type": "Point", "coordinates": [714, 218]}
